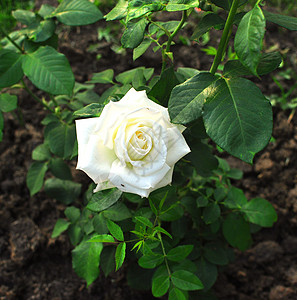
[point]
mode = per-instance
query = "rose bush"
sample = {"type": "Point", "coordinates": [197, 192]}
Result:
{"type": "Point", "coordinates": [131, 146]}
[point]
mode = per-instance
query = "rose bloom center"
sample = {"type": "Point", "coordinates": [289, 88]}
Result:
{"type": "Point", "coordinates": [139, 145]}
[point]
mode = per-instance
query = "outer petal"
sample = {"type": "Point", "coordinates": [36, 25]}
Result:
{"type": "Point", "coordinates": [103, 186]}
{"type": "Point", "coordinates": [139, 99]}
{"type": "Point", "coordinates": [121, 176]}
{"type": "Point", "coordinates": [84, 128]}
{"type": "Point", "coordinates": [95, 159]}
{"type": "Point", "coordinates": [177, 146]}
{"type": "Point", "coordinates": [167, 179]}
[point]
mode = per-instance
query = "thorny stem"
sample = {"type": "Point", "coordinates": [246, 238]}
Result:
{"type": "Point", "coordinates": [171, 37]}
{"type": "Point", "coordinates": [225, 37]}
{"type": "Point", "coordinates": [12, 41]}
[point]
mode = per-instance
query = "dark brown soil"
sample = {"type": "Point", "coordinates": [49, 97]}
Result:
{"type": "Point", "coordinates": [35, 266]}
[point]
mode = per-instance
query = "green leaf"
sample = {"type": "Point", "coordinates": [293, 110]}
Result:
{"type": "Point", "coordinates": [120, 255]}
{"type": "Point", "coordinates": [160, 285]}
{"type": "Point", "coordinates": [61, 226]}
{"type": "Point", "coordinates": [163, 87]}
{"type": "Point", "coordinates": [134, 33]}
{"type": "Point", "coordinates": [30, 46]}
{"type": "Point", "coordinates": [186, 281]}
{"type": "Point", "coordinates": [162, 230]}
{"type": "Point", "coordinates": [215, 253]}
{"type": "Point", "coordinates": [49, 70]}
{"type": "Point", "coordinates": [42, 31]}
{"type": "Point", "coordinates": [268, 63]}
{"type": "Point", "coordinates": [237, 231]}
{"type": "Point", "coordinates": [72, 213]}
{"type": "Point", "coordinates": [117, 212]}
{"type": "Point", "coordinates": [208, 21]}
{"type": "Point", "coordinates": [138, 51]}
{"type": "Point", "coordinates": [65, 191]}
{"type": "Point", "coordinates": [137, 9]}
{"type": "Point", "coordinates": [183, 74]}
{"type": "Point", "coordinates": [75, 234]}
{"type": "Point", "coordinates": [105, 76]}
{"type": "Point", "coordinates": [179, 253]}
{"type": "Point", "coordinates": [104, 199]}
{"type": "Point", "coordinates": [91, 110]}
{"type": "Point", "coordinates": [139, 81]}
{"type": "Point", "coordinates": [150, 261]}
{"type": "Point", "coordinates": [174, 212]}
{"type": "Point", "coordinates": [211, 213]}
{"type": "Point", "coordinates": [177, 5]}
{"type": "Point", "coordinates": [235, 198]}
{"type": "Point", "coordinates": [187, 99]}
{"type": "Point", "coordinates": [77, 12]}
{"type": "Point", "coordinates": [61, 140]}
{"type": "Point", "coordinates": [202, 201]}
{"type": "Point", "coordinates": [85, 260]}
{"type": "Point", "coordinates": [144, 221]}
{"type": "Point", "coordinates": [259, 211]}
{"type": "Point", "coordinates": [281, 20]}
{"type": "Point", "coordinates": [102, 238]}
{"type": "Point", "coordinates": [10, 68]}
{"type": "Point", "coordinates": [127, 76]}
{"type": "Point", "coordinates": [60, 169]}
{"type": "Point", "coordinates": [115, 230]}
{"type": "Point", "coordinates": [202, 158]}
{"type": "Point", "coordinates": [99, 224]}
{"type": "Point", "coordinates": [41, 153]}
{"type": "Point", "coordinates": [153, 208]}
{"type": "Point", "coordinates": [8, 102]}
{"type": "Point", "coordinates": [25, 17]}
{"type": "Point", "coordinates": [107, 262]}
{"type": "Point", "coordinates": [118, 12]}
{"type": "Point", "coordinates": [46, 10]}
{"type": "Point", "coordinates": [176, 294]}
{"type": "Point", "coordinates": [207, 273]}
{"type": "Point", "coordinates": [249, 37]}
{"type": "Point", "coordinates": [238, 117]}
{"type": "Point", "coordinates": [235, 174]}
{"type": "Point", "coordinates": [35, 177]}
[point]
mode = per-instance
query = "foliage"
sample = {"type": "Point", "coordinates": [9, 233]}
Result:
{"type": "Point", "coordinates": [178, 238]}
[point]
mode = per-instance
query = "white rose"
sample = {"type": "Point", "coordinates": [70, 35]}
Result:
{"type": "Point", "coordinates": [131, 146]}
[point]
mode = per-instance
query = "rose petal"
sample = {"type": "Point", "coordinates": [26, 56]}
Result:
{"type": "Point", "coordinates": [135, 99]}
{"type": "Point", "coordinates": [167, 179]}
{"type": "Point", "coordinates": [103, 186]}
{"type": "Point", "coordinates": [121, 175]}
{"type": "Point", "coordinates": [84, 128]}
{"type": "Point", "coordinates": [177, 146]}
{"type": "Point", "coordinates": [95, 159]}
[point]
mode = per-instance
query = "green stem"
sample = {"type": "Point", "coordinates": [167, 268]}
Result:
{"type": "Point", "coordinates": [36, 98]}
{"type": "Point", "coordinates": [225, 37]}
{"type": "Point", "coordinates": [171, 37]}
{"type": "Point", "coordinates": [54, 101]}
{"type": "Point", "coordinates": [160, 26]}
{"type": "Point", "coordinates": [12, 41]}
{"type": "Point", "coordinates": [164, 252]}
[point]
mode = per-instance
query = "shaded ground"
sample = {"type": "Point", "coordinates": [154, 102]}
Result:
{"type": "Point", "coordinates": [34, 266]}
